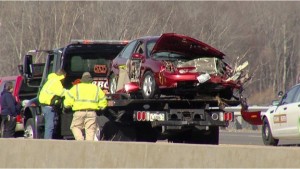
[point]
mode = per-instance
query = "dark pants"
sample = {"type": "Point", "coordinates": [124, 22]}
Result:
{"type": "Point", "coordinates": [49, 115]}
{"type": "Point", "coordinates": [8, 125]}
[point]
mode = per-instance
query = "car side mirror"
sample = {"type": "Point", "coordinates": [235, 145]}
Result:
{"type": "Point", "coordinates": [275, 102]}
{"type": "Point", "coordinates": [138, 56]}
{"type": "Point", "coordinates": [27, 66]}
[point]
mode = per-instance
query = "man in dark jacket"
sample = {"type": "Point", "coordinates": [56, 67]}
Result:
{"type": "Point", "coordinates": [9, 110]}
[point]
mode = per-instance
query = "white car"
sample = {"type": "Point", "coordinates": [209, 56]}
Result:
{"type": "Point", "coordinates": [281, 121]}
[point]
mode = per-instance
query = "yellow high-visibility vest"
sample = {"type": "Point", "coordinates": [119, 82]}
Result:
{"type": "Point", "coordinates": [51, 88]}
{"type": "Point", "coordinates": [85, 96]}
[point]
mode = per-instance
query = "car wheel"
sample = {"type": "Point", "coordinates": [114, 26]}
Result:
{"type": "Point", "coordinates": [29, 129]}
{"type": "Point", "coordinates": [149, 87]}
{"type": "Point", "coordinates": [112, 84]}
{"type": "Point", "coordinates": [267, 136]}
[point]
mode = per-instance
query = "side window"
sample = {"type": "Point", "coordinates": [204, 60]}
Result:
{"type": "Point", "coordinates": [128, 50]}
{"type": "Point", "coordinates": [140, 48]}
{"type": "Point", "coordinates": [150, 46]}
{"type": "Point", "coordinates": [288, 97]}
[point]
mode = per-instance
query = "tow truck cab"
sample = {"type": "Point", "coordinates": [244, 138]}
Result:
{"type": "Point", "coordinates": [79, 56]}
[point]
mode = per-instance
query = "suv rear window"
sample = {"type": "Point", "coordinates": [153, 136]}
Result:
{"type": "Point", "coordinates": [90, 57]}
{"type": "Point", "coordinates": [93, 58]}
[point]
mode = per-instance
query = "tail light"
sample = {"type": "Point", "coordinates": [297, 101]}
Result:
{"type": "Point", "coordinates": [141, 116]}
{"type": "Point", "coordinates": [19, 119]}
{"type": "Point", "coordinates": [228, 116]}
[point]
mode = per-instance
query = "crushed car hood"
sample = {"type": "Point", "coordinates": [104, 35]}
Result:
{"type": "Point", "coordinates": [183, 44]}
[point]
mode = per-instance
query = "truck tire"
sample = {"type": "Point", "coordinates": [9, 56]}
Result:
{"type": "Point", "coordinates": [213, 136]}
{"type": "Point", "coordinates": [205, 137]}
{"type": "Point", "coordinates": [145, 133]}
{"type": "Point", "coordinates": [29, 131]}
{"type": "Point", "coordinates": [114, 131]}
{"type": "Point", "coordinates": [101, 121]}
{"type": "Point", "coordinates": [267, 136]}
{"type": "Point", "coordinates": [182, 137]}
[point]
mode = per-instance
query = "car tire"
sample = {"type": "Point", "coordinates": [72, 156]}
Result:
{"type": "Point", "coordinates": [112, 84]}
{"type": "Point", "coordinates": [149, 86]}
{"type": "Point", "coordinates": [267, 136]}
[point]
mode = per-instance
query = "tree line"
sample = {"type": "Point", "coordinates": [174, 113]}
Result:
{"type": "Point", "coordinates": [266, 34]}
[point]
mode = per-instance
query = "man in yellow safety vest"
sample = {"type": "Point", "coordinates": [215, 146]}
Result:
{"type": "Point", "coordinates": [50, 95]}
{"type": "Point", "coordinates": [85, 99]}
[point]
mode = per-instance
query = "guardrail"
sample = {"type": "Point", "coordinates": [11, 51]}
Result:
{"type": "Point", "coordinates": [23, 153]}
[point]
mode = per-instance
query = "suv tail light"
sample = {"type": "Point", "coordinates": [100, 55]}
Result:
{"type": "Point", "coordinates": [19, 119]}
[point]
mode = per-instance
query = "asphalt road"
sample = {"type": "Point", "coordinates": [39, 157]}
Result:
{"type": "Point", "coordinates": [249, 138]}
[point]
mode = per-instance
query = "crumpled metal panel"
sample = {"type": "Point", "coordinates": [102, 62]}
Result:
{"type": "Point", "coordinates": [207, 65]}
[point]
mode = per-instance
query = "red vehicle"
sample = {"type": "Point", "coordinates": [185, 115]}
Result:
{"type": "Point", "coordinates": [21, 92]}
{"type": "Point", "coordinates": [174, 64]}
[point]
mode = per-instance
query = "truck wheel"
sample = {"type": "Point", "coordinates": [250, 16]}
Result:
{"type": "Point", "coordinates": [182, 137]}
{"type": "Point", "coordinates": [112, 84]}
{"type": "Point", "coordinates": [205, 137]}
{"type": "Point", "coordinates": [213, 136]}
{"type": "Point", "coordinates": [267, 136]}
{"type": "Point", "coordinates": [149, 87]}
{"type": "Point", "coordinates": [113, 131]}
{"type": "Point", "coordinates": [145, 133]}
{"type": "Point", "coordinates": [29, 131]}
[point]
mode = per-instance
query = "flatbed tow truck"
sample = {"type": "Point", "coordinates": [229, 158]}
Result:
{"type": "Point", "coordinates": [125, 119]}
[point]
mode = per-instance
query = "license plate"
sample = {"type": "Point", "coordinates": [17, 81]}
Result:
{"type": "Point", "coordinates": [149, 116]}
{"type": "Point", "coordinates": [156, 117]}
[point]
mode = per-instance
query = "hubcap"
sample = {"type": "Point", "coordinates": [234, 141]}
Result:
{"type": "Point", "coordinates": [147, 86]}
{"type": "Point", "coordinates": [267, 131]}
{"type": "Point", "coordinates": [28, 133]}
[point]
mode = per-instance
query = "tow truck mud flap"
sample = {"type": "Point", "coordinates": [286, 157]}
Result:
{"type": "Point", "coordinates": [253, 118]}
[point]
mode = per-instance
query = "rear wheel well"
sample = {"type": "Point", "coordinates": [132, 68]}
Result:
{"type": "Point", "coordinates": [27, 114]}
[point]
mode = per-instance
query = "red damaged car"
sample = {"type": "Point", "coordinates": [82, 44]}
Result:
{"type": "Point", "coordinates": [174, 64]}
